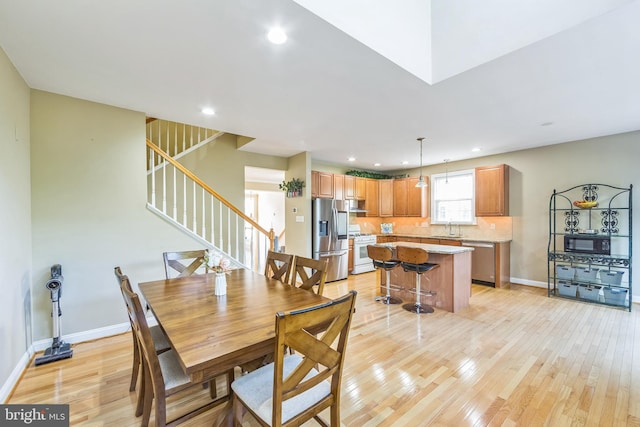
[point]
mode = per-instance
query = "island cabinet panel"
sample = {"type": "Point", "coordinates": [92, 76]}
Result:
{"type": "Point", "coordinates": [349, 187]}
{"type": "Point", "coordinates": [361, 188]}
{"type": "Point", "coordinates": [409, 200]}
{"type": "Point", "coordinates": [338, 186]}
{"type": "Point", "coordinates": [385, 239]}
{"type": "Point", "coordinates": [450, 283]}
{"type": "Point", "coordinates": [386, 197]}
{"type": "Point", "coordinates": [371, 203]}
{"type": "Point", "coordinates": [492, 190]}
{"type": "Point", "coordinates": [430, 241]}
{"type": "Point", "coordinates": [450, 242]}
{"type": "Point", "coordinates": [350, 259]}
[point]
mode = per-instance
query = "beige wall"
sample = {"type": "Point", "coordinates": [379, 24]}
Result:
{"type": "Point", "coordinates": [299, 233]}
{"type": "Point", "coordinates": [89, 215]}
{"type": "Point", "coordinates": [15, 218]}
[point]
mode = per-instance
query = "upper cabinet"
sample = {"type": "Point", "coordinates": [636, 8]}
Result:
{"type": "Point", "coordinates": [492, 190]}
{"type": "Point", "coordinates": [338, 186]}
{"type": "Point", "coordinates": [322, 185]}
{"type": "Point", "coordinates": [371, 201]}
{"type": "Point", "coordinates": [349, 187]}
{"type": "Point", "coordinates": [361, 188]}
{"type": "Point", "coordinates": [386, 197]}
{"type": "Point", "coordinates": [409, 200]}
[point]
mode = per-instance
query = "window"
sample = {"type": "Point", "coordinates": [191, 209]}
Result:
{"type": "Point", "coordinates": [452, 197]}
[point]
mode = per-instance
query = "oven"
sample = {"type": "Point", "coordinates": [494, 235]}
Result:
{"type": "Point", "coordinates": [361, 261]}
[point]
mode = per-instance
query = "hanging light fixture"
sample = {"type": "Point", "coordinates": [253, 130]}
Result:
{"type": "Point", "coordinates": [446, 171]}
{"type": "Point", "coordinates": [421, 182]}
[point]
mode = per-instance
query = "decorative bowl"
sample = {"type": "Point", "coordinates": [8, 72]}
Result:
{"type": "Point", "coordinates": [584, 204]}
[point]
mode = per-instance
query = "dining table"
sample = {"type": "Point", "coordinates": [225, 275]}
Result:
{"type": "Point", "coordinates": [212, 334]}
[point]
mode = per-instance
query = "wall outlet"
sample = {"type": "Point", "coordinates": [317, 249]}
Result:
{"type": "Point", "coordinates": [295, 210]}
{"type": "Point", "coordinates": [299, 218]}
{"type": "Point", "coordinates": [492, 226]}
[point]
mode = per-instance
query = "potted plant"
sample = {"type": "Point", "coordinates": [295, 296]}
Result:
{"type": "Point", "coordinates": [293, 188]}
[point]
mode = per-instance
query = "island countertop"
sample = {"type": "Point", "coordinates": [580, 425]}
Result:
{"type": "Point", "coordinates": [432, 249]}
{"type": "Point", "coordinates": [447, 237]}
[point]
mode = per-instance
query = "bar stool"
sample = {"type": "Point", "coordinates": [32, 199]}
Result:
{"type": "Point", "coordinates": [415, 259]}
{"type": "Point", "coordinates": [382, 259]}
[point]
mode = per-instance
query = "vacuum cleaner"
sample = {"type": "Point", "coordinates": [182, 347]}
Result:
{"type": "Point", "coordinates": [59, 349]}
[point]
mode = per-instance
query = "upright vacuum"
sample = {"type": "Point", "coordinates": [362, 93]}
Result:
{"type": "Point", "coordinates": [59, 349]}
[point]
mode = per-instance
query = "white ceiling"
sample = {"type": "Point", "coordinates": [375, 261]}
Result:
{"type": "Point", "coordinates": [326, 93]}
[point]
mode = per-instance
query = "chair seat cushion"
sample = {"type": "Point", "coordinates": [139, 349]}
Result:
{"type": "Point", "coordinates": [160, 341]}
{"type": "Point", "coordinates": [418, 268]}
{"type": "Point", "coordinates": [256, 391]}
{"type": "Point", "coordinates": [174, 376]}
{"type": "Point", "coordinates": [386, 265]}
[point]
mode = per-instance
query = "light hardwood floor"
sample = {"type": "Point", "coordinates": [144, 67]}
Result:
{"type": "Point", "coordinates": [514, 357]}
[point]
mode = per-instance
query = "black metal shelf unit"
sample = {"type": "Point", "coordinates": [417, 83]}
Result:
{"type": "Point", "coordinates": [578, 272]}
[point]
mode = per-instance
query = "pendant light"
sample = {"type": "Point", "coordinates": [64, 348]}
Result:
{"type": "Point", "coordinates": [421, 183]}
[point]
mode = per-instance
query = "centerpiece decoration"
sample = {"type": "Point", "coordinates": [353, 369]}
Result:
{"type": "Point", "coordinates": [218, 264]}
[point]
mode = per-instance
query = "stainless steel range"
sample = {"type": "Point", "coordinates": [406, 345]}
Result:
{"type": "Point", "coordinates": [361, 261]}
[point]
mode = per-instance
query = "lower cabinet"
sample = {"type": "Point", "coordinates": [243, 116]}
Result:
{"type": "Point", "coordinates": [350, 262]}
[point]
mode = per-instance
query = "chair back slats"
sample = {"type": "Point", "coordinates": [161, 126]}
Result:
{"type": "Point", "coordinates": [278, 266]}
{"type": "Point", "coordinates": [319, 335]}
{"type": "Point", "coordinates": [185, 263]}
{"type": "Point", "coordinates": [308, 273]}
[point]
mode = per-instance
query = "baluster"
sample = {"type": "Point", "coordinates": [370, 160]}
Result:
{"type": "Point", "coordinates": [175, 140]}
{"type": "Point", "coordinates": [164, 188]}
{"type": "Point", "coordinates": [184, 200]}
{"type": "Point", "coordinates": [184, 137]}
{"type": "Point", "coordinates": [211, 222]}
{"type": "Point", "coordinates": [175, 194]}
{"type": "Point", "coordinates": [152, 156]}
{"type": "Point", "coordinates": [204, 201]}
{"type": "Point", "coordinates": [194, 226]}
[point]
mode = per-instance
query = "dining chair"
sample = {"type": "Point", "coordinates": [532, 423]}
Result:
{"type": "Point", "coordinates": [295, 388]}
{"type": "Point", "coordinates": [160, 340]}
{"type": "Point", "coordinates": [278, 266]}
{"type": "Point", "coordinates": [163, 374]}
{"type": "Point", "coordinates": [183, 263]}
{"type": "Point", "coordinates": [301, 278]}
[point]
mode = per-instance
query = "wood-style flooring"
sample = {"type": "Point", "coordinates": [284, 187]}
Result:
{"type": "Point", "coordinates": [514, 358]}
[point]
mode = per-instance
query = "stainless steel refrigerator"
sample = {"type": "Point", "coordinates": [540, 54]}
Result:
{"type": "Point", "coordinates": [330, 236]}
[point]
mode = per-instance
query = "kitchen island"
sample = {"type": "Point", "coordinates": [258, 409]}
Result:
{"type": "Point", "coordinates": [447, 287]}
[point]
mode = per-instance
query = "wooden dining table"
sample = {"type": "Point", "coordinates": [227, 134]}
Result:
{"type": "Point", "coordinates": [212, 334]}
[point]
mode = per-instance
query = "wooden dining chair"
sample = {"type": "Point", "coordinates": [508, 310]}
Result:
{"type": "Point", "coordinates": [163, 374]}
{"type": "Point", "coordinates": [160, 340]}
{"type": "Point", "coordinates": [295, 388]}
{"type": "Point", "coordinates": [278, 266]}
{"type": "Point", "coordinates": [183, 263]}
{"type": "Point", "coordinates": [308, 273]}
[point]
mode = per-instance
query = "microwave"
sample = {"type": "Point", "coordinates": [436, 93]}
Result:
{"type": "Point", "coordinates": [587, 244]}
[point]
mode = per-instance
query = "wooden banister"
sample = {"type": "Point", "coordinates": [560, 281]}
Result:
{"type": "Point", "coordinates": [270, 234]}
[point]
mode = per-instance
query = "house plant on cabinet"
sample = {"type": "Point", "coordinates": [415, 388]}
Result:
{"type": "Point", "coordinates": [293, 187]}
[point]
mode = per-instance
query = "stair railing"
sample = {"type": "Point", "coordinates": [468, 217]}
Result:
{"type": "Point", "coordinates": [181, 198]}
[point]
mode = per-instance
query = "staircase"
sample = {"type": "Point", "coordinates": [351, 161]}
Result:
{"type": "Point", "coordinates": [179, 197]}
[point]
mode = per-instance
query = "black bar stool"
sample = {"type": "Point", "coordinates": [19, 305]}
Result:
{"type": "Point", "coordinates": [382, 259]}
{"type": "Point", "coordinates": [415, 259]}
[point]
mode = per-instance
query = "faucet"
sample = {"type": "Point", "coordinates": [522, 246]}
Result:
{"type": "Point", "coordinates": [450, 228]}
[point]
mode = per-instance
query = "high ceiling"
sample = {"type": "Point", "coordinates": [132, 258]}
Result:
{"type": "Point", "coordinates": [327, 93]}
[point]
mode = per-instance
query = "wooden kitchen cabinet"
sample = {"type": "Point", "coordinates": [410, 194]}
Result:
{"type": "Point", "coordinates": [430, 241]}
{"type": "Point", "coordinates": [321, 185]}
{"type": "Point", "coordinates": [450, 242]}
{"type": "Point", "coordinates": [385, 239]}
{"type": "Point", "coordinates": [361, 188]}
{"type": "Point", "coordinates": [371, 202]}
{"type": "Point", "coordinates": [349, 187]}
{"type": "Point", "coordinates": [492, 190]}
{"type": "Point", "coordinates": [409, 200]}
{"type": "Point", "coordinates": [385, 197]}
{"type": "Point", "coordinates": [350, 259]}
{"type": "Point", "coordinates": [338, 186]}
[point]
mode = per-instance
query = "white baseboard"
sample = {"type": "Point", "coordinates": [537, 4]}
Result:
{"type": "Point", "coordinates": [41, 345]}
{"type": "Point", "coordinates": [527, 282]}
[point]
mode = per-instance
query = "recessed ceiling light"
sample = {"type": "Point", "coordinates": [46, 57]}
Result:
{"type": "Point", "coordinates": [277, 35]}
{"type": "Point", "coordinates": [208, 111]}
{"type": "Point", "coordinates": [476, 149]}
{"type": "Point", "coordinates": [376, 164]}
{"type": "Point", "coordinates": [351, 159]}
{"type": "Point", "coordinates": [405, 162]}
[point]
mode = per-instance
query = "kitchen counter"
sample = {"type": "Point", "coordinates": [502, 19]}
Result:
{"type": "Point", "coordinates": [447, 237]}
{"type": "Point", "coordinates": [432, 249]}
{"type": "Point", "coordinates": [449, 284]}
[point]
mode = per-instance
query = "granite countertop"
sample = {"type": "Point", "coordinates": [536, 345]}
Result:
{"type": "Point", "coordinates": [434, 249]}
{"type": "Point", "coordinates": [444, 237]}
